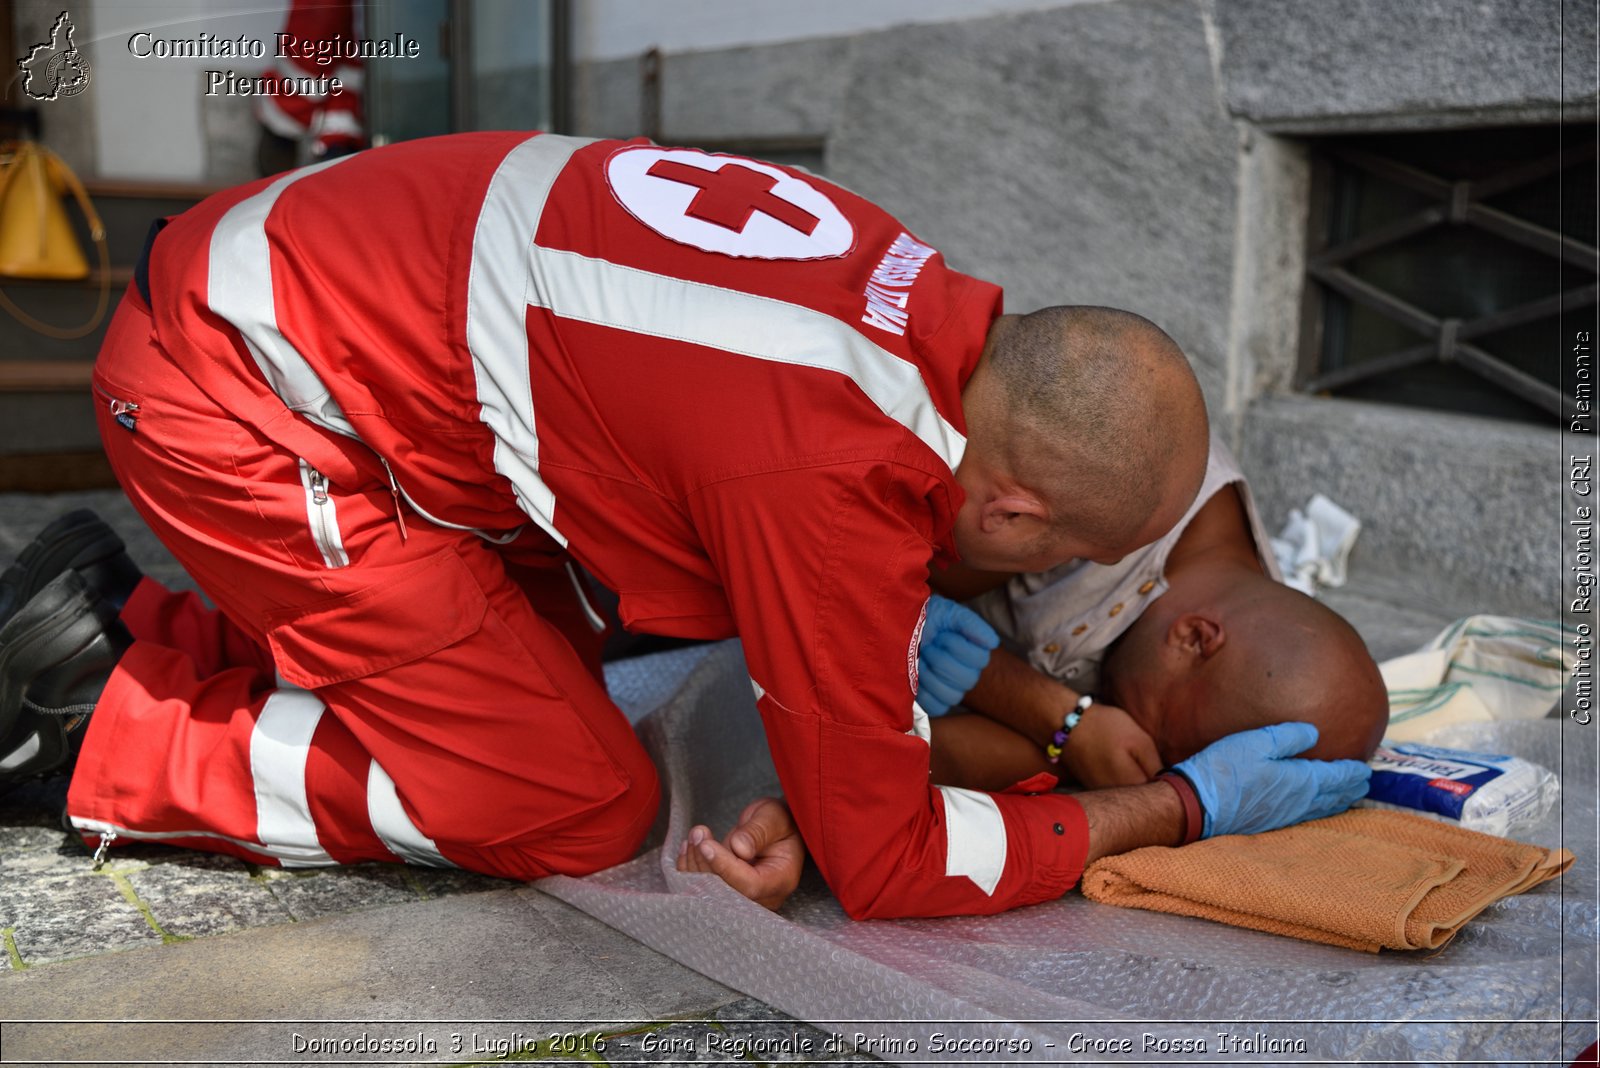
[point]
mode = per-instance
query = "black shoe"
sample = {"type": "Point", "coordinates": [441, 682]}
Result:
{"type": "Point", "coordinates": [56, 655]}
{"type": "Point", "coordinates": [80, 541]}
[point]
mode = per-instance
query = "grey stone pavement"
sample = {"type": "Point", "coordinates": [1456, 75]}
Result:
{"type": "Point", "coordinates": [166, 956]}
{"type": "Point", "coordinates": [182, 957]}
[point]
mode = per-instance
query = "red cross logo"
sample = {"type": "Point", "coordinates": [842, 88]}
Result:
{"type": "Point", "coordinates": [728, 197]}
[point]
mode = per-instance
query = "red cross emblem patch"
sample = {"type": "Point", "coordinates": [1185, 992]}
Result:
{"type": "Point", "coordinates": [738, 207]}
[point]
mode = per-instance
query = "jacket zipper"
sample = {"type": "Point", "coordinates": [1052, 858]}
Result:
{"type": "Point", "coordinates": [394, 491]}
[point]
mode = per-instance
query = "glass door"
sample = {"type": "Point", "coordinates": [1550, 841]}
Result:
{"type": "Point", "coordinates": [483, 65]}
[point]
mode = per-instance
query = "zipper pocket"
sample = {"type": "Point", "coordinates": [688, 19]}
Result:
{"type": "Point", "coordinates": [322, 516]}
{"type": "Point", "coordinates": [126, 413]}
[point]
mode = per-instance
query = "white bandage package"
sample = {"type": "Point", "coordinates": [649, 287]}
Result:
{"type": "Point", "coordinates": [1485, 792]}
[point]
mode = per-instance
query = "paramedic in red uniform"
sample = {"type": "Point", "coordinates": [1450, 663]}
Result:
{"type": "Point", "coordinates": [378, 406]}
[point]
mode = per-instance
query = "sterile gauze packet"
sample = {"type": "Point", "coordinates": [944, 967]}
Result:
{"type": "Point", "coordinates": [1480, 791]}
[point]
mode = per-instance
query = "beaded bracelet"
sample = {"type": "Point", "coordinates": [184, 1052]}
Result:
{"type": "Point", "coordinates": [1068, 722]}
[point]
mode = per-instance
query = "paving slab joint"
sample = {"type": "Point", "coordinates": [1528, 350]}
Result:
{"type": "Point", "coordinates": [12, 952]}
{"type": "Point", "coordinates": [416, 884]}
{"type": "Point", "coordinates": [126, 889]}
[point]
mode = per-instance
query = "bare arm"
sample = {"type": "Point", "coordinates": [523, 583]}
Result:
{"type": "Point", "coordinates": [763, 855]}
{"type": "Point", "coordinates": [978, 753]}
{"type": "Point", "coordinates": [1128, 817]}
{"type": "Point", "coordinates": [1107, 749]}
{"type": "Point", "coordinates": [1028, 701]}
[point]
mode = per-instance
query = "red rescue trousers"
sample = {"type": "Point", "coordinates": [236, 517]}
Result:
{"type": "Point", "coordinates": [368, 691]}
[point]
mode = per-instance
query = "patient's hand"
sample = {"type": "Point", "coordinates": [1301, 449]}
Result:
{"type": "Point", "coordinates": [761, 857]}
{"type": "Point", "coordinates": [1107, 748]}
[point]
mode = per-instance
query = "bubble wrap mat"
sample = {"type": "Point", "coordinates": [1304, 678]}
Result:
{"type": "Point", "coordinates": [1073, 981]}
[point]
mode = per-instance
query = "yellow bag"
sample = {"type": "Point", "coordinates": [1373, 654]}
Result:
{"type": "Point", "coordinates": [36, 239]}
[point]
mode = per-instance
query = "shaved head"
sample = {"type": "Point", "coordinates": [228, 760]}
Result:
{"type": "Point", "coordinates": [1260, 653]}
{"type": "Point", "coordinates": [1305, 663]}
{"type": "Point", "coordinates": [1104, 411]}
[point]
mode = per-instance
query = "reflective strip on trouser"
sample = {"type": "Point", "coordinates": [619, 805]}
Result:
{"type": "Point", "coordinates": [390, 822]}
{"type": "Point", "coordinates": [278, 749]}
{"type": "Point", "coordinates": [286, 830]}
{"type": "Point", "coordinates": [506, 755]}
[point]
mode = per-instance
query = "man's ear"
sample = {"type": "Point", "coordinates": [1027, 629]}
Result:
{"type": "Point", "coordinates": [1197, 635]}
{"type": "Point", "coordinates": [1006, 508]}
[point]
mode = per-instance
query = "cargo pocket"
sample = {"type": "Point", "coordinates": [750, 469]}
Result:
{"type": "Point", "coordinates": [397, 616]}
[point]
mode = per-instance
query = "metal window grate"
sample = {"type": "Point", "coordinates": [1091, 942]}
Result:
{"type": "Point", "coordinates": [1440, 264]}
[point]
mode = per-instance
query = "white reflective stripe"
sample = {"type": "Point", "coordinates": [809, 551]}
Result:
{"type": "Point", "coordinates": [322, 517]}
{"type": "Point", "coordinates": [290, 857]}
{"type": "Point", "coordinates": [391, 824]}
{"type": "Point", "coordinates": [759, 692]}
{"type": "Point", "coordinates": [919, 724]}
{"type": "Point", "coordinates": [597, 622]}
{"type": "Point", "coordinates": [239, 289]}
{"type": "Point", "coordinates": [497, 308]}
{"type": "Point", "coordinates": [279, 745]}
{"type": "Point", "coordinates": [975, 837]}
{"type": "Point", "coordinates": [22, 753]}
{"type": "Point", "coordinates": [580, 287]}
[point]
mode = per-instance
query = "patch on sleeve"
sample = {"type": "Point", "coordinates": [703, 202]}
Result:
{"type": "Point", "coordinates": [975, 837]}
{"type": "Point", "coordinates": [727, 204]}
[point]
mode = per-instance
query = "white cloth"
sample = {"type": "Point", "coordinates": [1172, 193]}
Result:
{"type": "Point", "coordinates": [1063, 620]}
{"type": "Point", "coordinates": [1477, 670]}
{"type": "Point", "coordinates": [1313, 548]}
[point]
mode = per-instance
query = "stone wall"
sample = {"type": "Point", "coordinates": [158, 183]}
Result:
{"type": "Point", "coordinates": [1149, 154]}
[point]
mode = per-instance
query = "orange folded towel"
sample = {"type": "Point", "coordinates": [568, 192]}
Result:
{"type": "Point", "coordinates": [1365, 879]}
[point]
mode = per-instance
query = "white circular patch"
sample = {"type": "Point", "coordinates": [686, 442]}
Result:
{"type": "Point", "coordinates": [727, 204]}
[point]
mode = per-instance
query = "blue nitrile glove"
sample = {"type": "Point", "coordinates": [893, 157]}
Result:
{"type": "Point", "coordinates": [955, 647]}
{"type": "Point", "coordinates": [1247, 782]}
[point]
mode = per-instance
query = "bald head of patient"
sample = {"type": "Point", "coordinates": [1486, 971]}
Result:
{"type": "Point", "coordinates": [1229, 650]}
{"type": "Point", "coordinates": [1086, 439]}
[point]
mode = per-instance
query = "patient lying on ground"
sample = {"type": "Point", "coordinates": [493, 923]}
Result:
{"type": "Point", "coordinates": [1223, 648]}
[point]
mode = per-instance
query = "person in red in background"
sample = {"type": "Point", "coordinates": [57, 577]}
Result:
{"type": "Point", "coordinates": [744, 398]}
{"type": "Point", "coordinates": [327, 124]}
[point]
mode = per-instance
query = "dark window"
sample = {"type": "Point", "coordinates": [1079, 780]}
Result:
{"type": "Point", "coordinates": [1439, 264]}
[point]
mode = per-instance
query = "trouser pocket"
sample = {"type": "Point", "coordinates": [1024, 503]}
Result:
{"type": "Point", "coordinates": [397, 615]}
